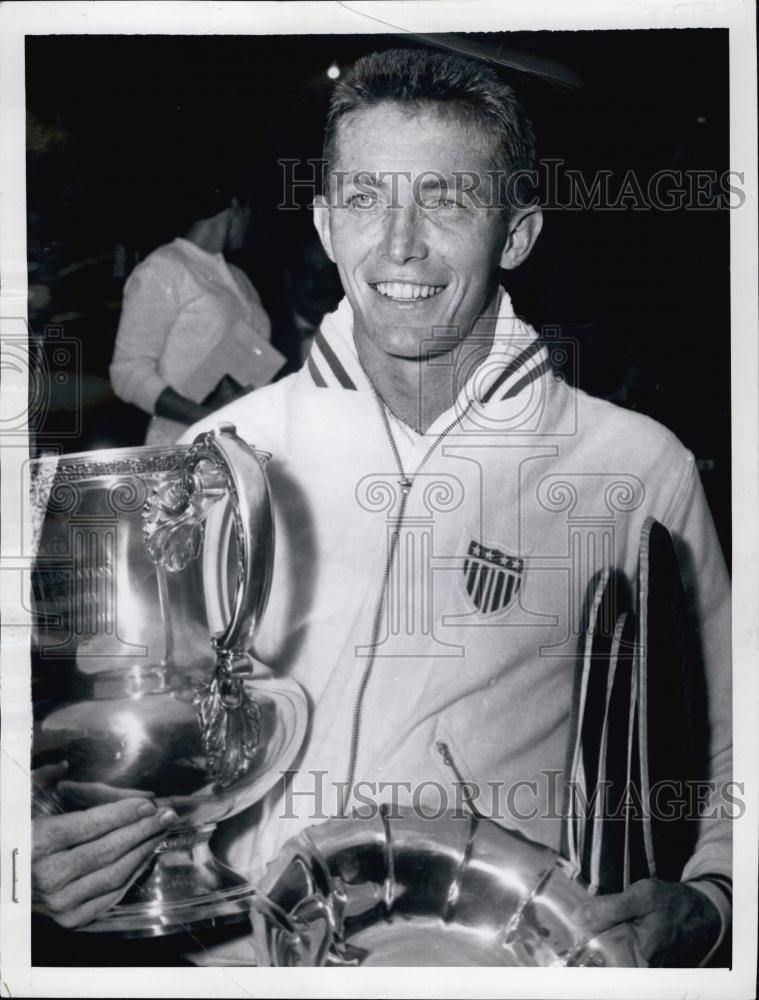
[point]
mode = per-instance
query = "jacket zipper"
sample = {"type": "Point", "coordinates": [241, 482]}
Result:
{"type": "Point", "coordinates": [444, 751]}
{"type": "Point", "coordinates": [407, 486]}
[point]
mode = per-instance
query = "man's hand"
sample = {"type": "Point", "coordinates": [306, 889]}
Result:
{"type": "Point", "coordinates": [83, 862]}
{"type": "Point", "coordinates": [675, 924]}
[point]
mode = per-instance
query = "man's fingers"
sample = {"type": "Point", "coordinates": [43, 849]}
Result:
{"type": "Point", "coordinates": [653, 933]}
{"type": "Point", "coordinates": [88, 912]}
{"type": "Point", "coordinates": [607, 911]}
{"type": "Point", "coordinates": [83, 794]}
{"type": "Point", "coordinates": [92, 908]}
{"type": "Point", "coordinates": [52, 873]}
{"type": "Point", "coordinates": [56, 833]}
{"type": "Point", "coordinates": [47, 775]}
{"type": "Point", "coordinates": [45, 801]}
{"type": "Point", "coordinates": [673, 923]}
{"type": "Point", "coordinates": [111, 878]}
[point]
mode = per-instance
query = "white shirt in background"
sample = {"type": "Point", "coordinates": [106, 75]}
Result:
{"type": "Point", "coordinates": [181, 306]}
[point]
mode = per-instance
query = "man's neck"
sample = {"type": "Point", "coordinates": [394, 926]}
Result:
{"type": "Point", "coordinates": [418, 390]}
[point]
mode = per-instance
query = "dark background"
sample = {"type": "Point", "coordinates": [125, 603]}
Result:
{"type": "Point", "coordinates": [122, 129]}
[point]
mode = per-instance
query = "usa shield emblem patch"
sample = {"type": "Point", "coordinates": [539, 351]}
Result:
{"type": "Point", "coordinates": [492, 577]}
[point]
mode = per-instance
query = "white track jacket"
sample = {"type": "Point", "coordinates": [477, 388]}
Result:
{"type": "Point", "coordinates": [456, 662]}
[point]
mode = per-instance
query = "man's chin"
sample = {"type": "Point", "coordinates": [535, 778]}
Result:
{"type": "Point", "coordinates": [413, 343]}
{"type": "Point", "coordinates": [399, 334]}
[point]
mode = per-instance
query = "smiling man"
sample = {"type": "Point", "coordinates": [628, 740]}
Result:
{"type": "Point", "coordinates": [427, 469]}
{"type": "Point", "coordinates": [419, 238]}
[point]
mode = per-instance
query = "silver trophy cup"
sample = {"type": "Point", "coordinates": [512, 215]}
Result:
{"type": "Point", "coordinates": [152, 571]}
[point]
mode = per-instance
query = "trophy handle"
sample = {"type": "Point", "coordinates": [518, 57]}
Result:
{"type": "Point", "coordinates": [220, 463]}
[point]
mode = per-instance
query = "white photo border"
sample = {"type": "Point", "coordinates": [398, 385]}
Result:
{"type": "Point", "coordinates": [17, 977]}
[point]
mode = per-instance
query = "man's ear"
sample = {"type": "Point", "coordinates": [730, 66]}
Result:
{"type": "Point", "coordinates": [524, 229]}
{"type": "Point", "coordinates": [321, 222]}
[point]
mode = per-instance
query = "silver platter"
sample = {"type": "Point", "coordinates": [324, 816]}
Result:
{"type": "Point", "coordinates": [398, 889]}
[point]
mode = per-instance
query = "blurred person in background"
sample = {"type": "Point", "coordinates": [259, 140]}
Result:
{"type": "Point", "coordinates": [193, 334]}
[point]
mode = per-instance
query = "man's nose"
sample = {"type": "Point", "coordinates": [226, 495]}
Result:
{"type": "Point", "coordinates": [403, 239]}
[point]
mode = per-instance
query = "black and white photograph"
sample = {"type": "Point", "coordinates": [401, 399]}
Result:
{"type": "Point", "coordinates": [379, 535]}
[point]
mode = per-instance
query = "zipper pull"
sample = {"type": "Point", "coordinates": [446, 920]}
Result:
{"type": "Point", "coordinates": [466, 790]}
{"type": "Point", "coordinates": [442, 749]}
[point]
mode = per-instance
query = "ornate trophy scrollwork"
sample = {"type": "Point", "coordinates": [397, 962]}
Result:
{"type": "Point", "coordinates": [229, 718]}
{"type": "Point", "coordinates": [173, 524]}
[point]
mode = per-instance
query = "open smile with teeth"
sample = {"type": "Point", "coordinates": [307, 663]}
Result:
{"type": "Point", "coordinates": [406, 291]}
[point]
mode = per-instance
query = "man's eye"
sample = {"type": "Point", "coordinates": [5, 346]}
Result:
{"type": "Point", "coordinates": [362, 201]}
{"type": "Point", "coordinates": [445, 203]}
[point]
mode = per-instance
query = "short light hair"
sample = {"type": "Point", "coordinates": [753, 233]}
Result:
{"type": "Point", "coordinates": [464, 87]}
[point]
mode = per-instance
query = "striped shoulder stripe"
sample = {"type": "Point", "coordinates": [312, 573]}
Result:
{"type": "Point", "coordinates": [331, 366]}
{"type": "Point", "coordinates": [529, 365]}
{"type": "Point", "coordinates": [532, 376]}
{"type": "Point", "coordinates": [315, 373]}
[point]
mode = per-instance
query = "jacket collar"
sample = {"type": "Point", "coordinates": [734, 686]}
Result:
{"type": "Point", "coordinates": [517, 359]}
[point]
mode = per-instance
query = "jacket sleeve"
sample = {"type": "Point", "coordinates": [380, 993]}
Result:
{"type": "Point", "coordinates": [148, 312]}
{"type": "Point", "coordinates": [707, 586]}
